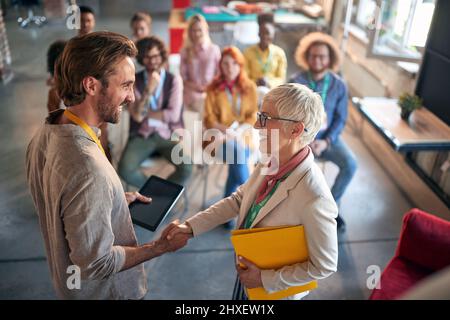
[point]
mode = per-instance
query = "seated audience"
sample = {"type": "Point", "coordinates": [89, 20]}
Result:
{"type": "Point", "coordinates": [155, 114]}
{"type": "Point", "coordinates": [231, 100]}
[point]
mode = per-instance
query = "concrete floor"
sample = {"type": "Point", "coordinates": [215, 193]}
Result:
{"type": "Point", "coordinates": [373, 206]}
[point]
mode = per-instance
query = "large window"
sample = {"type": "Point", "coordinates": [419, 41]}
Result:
{"type": "Point", "coordinates": [363, 13]}
{"type": "Point", "coordinates": [397, 29]}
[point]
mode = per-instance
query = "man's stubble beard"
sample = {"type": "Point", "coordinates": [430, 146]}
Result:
{"type": "Point", "coordinates": [106, 111]}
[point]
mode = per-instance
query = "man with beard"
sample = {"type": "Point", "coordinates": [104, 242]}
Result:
{"type": "Point", "coordinates": [83, 211]}
{"type": "Point", "coordinates": [87, 25]}
{"type": "Point", "coordinates": [317, 54]}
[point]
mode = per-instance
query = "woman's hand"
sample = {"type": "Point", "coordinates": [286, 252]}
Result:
{"type": "Point", "coordinates": [195, 87]}
{"type": "Point", "coordinates": [200, 88]}
{"type": "Point", "coordinates": [175, 228]}
{"type": "Point", "coordinates": [221, 127]}
{"type": "Point", "coordinates": [249, 274]}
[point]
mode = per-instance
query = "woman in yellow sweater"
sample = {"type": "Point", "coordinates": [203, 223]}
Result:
{"type": "Point", "coordinates": [231, 101]}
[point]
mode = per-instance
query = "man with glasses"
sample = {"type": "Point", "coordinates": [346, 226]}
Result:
{"type": "Point", "coordinates": [318, 55]}
{"type": "Point", "coordinates": [156, 113]}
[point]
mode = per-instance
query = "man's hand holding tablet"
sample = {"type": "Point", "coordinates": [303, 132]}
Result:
{"type": "Point", "coordinates": [136, 196]}
{"type": "Point", "coordinates": [155, 200]}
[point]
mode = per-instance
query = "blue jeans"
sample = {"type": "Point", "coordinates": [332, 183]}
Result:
{"type": "Point", "coordinates": [238, 171]}
{"type": "Point", "coordinates": [343, 157]}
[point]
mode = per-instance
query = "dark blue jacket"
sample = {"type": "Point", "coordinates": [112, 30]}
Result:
{"type": "Point", "coordinates": [336, 104]}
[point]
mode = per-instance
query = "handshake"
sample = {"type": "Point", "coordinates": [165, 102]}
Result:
{"type": "Point", "coordinates": [174, 237]}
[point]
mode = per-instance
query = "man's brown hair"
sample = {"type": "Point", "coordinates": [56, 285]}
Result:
{"type": "Point", "coordinates": [146, 44]}
{"type": "Point", "coordinates": [94, 54]}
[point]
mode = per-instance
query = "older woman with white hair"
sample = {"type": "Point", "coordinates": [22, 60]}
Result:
{"type": "Point", "coordinates": [289, 189]}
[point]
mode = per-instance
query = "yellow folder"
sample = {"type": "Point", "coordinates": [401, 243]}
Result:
{"type": "Point", "coordinates": [273, 248]}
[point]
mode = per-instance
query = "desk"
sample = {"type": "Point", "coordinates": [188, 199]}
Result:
{"type": "Point", "coordinates": [178, 18]}
{"type": "Point", "coordinates": [424, 131]}
{"type": "Point", "coordinates": [280, 17]}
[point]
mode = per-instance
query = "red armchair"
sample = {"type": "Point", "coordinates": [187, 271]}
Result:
{"type": "Point", "coordinates": [423, 248]}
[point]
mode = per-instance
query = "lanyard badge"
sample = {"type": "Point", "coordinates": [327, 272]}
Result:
{"type": "Point", "coordinates": [72, 117]}
{"type": "Point", "coordinates": [236, 107]}
{"type": "Point", "coordinates": [266, 66]}
{"type": "Point", "coordinates": [326, 86]}
{"type": "Point", "coordinates": [323, 94]}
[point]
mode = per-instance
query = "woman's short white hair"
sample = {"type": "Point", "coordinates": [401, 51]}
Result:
{"type": "Point", "coordinates": [298, 102]}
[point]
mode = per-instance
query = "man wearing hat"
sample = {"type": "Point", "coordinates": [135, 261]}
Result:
{"type": "Point", "coordinates": [318, 56]}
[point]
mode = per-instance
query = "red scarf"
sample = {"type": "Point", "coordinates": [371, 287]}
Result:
{"type": "Point", "coordinates": [228, 85]}
{"type": "Point", "coordinates": [270, 181]}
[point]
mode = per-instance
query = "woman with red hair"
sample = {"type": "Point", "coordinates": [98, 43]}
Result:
{"type": "Point", "coordinates": [231, 102]}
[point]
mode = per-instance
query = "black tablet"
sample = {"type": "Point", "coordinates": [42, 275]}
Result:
{"type": "Point", "coordinates": [164, 194]}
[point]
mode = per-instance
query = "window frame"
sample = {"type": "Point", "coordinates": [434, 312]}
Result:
{"type": "Point", "coordinates": [398, 47]}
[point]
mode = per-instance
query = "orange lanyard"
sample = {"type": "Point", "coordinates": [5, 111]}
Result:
{"type": "Point", "coordinates": [72, 117]}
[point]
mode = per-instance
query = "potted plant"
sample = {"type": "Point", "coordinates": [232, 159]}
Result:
{"type": "Point", "coordinates": [408, 103]}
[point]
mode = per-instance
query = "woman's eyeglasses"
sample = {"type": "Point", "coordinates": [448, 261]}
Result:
{"type": "Point", "coordinates": [262, 118]}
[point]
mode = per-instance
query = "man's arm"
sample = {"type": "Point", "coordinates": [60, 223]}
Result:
{"type": "Point", "coordinates": [137, 109]}
{"type": "Point", "coordinates": [140, 254]}
{"type": "Point", "coordinates": [87, 226]}
{"type": "Point", "coordinates": [148, 251]}
{"type": "Point", "coordinates": [339, 116]}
